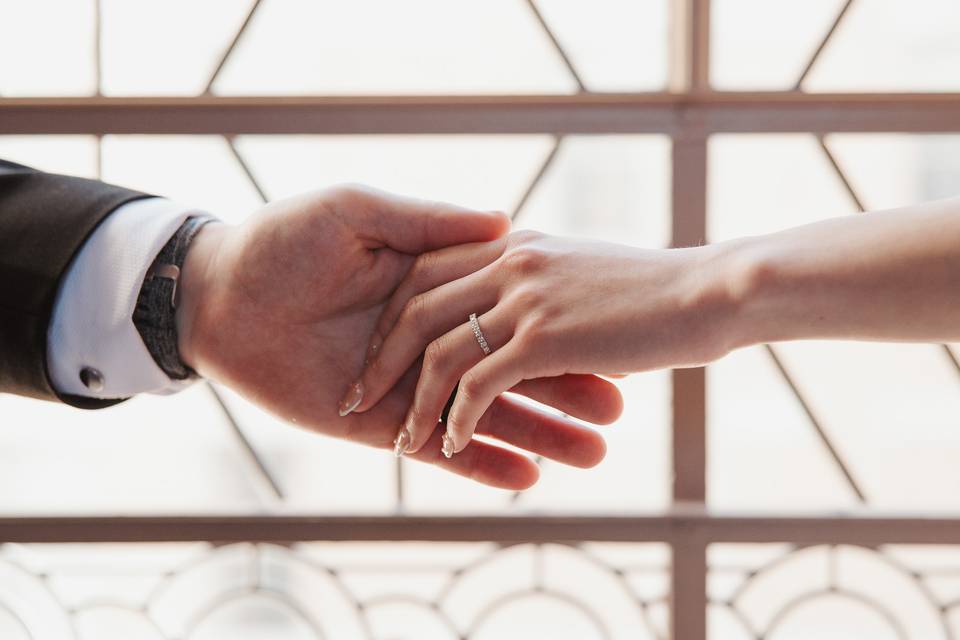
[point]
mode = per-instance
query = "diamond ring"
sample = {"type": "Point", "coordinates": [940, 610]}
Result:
{"type": "Point", "coordinates": [475, 326]}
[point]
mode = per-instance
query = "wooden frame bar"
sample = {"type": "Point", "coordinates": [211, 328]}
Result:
{"type": "Point", "coordinates": [689, 77]}
{"type": "Point", "coordinates": [679, 526]}
{"type": "Point", "coordinates": [666, 113]}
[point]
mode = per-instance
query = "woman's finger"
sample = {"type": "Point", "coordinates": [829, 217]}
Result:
{"type": "Point", "coordinates": [428, 271]}
{"type": "Point", "coordinates": [479, 387]}
{"type": "Point", "coordinates": [423, 318]}
{"type": "Point", "coordinates": [444, 362]}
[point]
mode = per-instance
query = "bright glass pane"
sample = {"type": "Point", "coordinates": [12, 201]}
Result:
{"type": "Point", "coordinates": [483, 172]}
{"type": "Point", "coordinates": [765, 183]}
{"type": "Point", "coordinates": [890, 409]}
{"type": "Point", "coordinates": [894, 170]}
{"type": "Point", "coordinates": [177, 456]}
{"type": "Point", "coordinates": [300, 47]}
{"type": "Point", "coordinates": [892, 45]}
{"type": "Point", "coordinates": [765, 44]}
{"type": "Point", "coordinates": [70, 155]}
{"type": "Point", "coordinates": [614, 45]}
{"type": "Point", "coordinates": [879, 45]}
{"type": "Point", "coordinates": [763, 453]}
{"type": "Point", "coordinates": [377, 46]}
{"type": "Point", "coordinates": [612, 188]}
{"type": "Point", "coordinates": [47, 48]}
{"type": "Point", "coordinates": [165, 48]}
{"type": "Point", "coordinates": [172, 166]}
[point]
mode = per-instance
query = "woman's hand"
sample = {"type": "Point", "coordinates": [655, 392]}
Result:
{"type": "Point", "coordinates": [547, 307]}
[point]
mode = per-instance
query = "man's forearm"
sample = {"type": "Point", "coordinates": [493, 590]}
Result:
{"type": "Point", "coordinates": [892, 275]}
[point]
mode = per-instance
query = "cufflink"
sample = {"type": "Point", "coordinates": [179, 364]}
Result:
{"type": "Point", "coordinates": [91, 379]}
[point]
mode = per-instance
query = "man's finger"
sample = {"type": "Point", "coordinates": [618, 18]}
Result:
{"type": "Point", "coordinates": [580, 395]}
{"type": "Point", "coordinates": [483, 462]}
{"type": "Point", "coordinates": [414, 226]}
{"type": "Point", "coordinates": [537, 431]}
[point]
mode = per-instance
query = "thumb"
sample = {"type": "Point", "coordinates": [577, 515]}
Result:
{"type": "Point", "coordinates": [413, 226]}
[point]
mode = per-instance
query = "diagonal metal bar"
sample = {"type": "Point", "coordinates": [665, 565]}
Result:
{"type": "Point", "coordinates": [841, 174]}
{"type": "Point", "coordinates": [541, 172]}
{"type": "Point", "coordinates": [98, 158]}
{"type": "Point", "coordinates": [401, 499]}
{"type": "Point", "coordinates": [98, 78]}
{"type": "Point", "coordinates": [823, 44]}
{"type": "Point", "coordinates": [952, 357]}
{"type": "Point", "coordinates": [815, 422]}
{"type": "Point", "coordinates": [559, 47]}
{"type": "Point", "coordinates": [98, 46]}
{"type": "Point", "coordinates": [233, 44]}
{"type": "Point", "coordinates": [231, 143]}
{"type": "Point", "coordinates": [245, 443]}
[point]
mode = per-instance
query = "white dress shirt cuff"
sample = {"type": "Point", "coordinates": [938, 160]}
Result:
{"type": "Point", "coordinates": [92, 324]}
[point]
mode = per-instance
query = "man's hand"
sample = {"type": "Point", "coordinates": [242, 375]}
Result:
{"type": "Point", "coordinates": [282, 309]}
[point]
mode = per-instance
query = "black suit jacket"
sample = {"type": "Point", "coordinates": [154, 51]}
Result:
{"type": "Point", "coordinates": [44, 220]}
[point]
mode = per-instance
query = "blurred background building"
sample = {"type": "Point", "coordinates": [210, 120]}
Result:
{"type": "Point", "coordinates": [808, 490]}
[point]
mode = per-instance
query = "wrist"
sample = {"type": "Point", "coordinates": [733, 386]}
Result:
{"type": "Point", "coordinates": [766, 306]}
{"type": "Point", "coordinates": [722, 285]}
{"type": "Point", "coordinates": [197, 280]}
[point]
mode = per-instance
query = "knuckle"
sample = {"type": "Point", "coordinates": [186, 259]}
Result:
{"type": "Point", "coordinates": [345, 192]}
{"type": "Point", "coordinates": [434, 356]}
{"type": "Point", "coordinates": [471, 388]}
{"type": "Point", "coordinates": [413, 311]}
{"type": "Point", "coordinates": [524, 260]}
{"type": "Point", "coordinates": [423, 266]}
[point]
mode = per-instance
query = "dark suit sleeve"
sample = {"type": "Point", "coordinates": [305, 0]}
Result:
{"type": "Point", "coordinates": [44, 220]}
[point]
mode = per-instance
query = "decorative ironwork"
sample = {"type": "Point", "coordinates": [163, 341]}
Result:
{"type": "Point", "coordinates": [308, 585]}
{"type": "Point", "coordinates": [888, 608]}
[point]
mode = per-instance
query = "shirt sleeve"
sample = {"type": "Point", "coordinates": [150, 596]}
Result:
{"type": "Point", "coordinates": [93, 348]}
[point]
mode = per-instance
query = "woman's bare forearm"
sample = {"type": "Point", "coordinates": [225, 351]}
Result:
{"type": "Point", "coordinates": [891, 276]}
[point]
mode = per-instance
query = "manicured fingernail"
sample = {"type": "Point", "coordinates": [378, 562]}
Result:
{"type": "Point", "coordinates": [402, 442]}
{"type": "Point", "coordinates": [447, 447]}
{"type": "Point", "coordinates": [351, 400]}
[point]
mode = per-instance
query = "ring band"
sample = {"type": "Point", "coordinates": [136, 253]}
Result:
{"type": "Point", "coordinates": [475, 325]}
